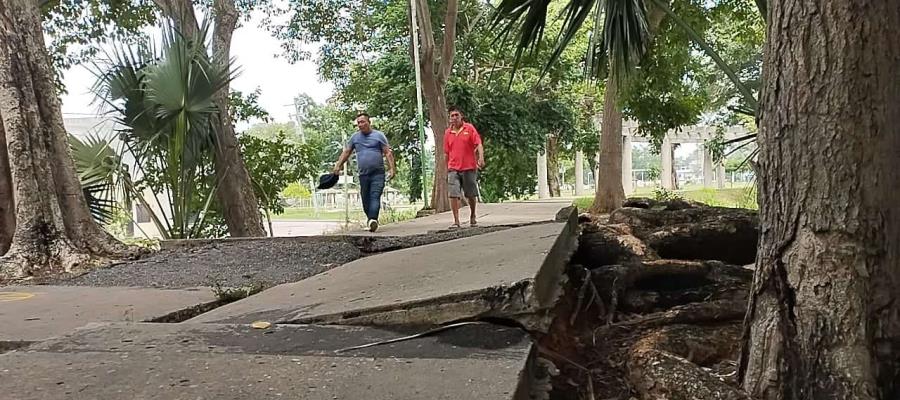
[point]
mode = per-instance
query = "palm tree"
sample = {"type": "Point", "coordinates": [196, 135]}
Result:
{"type": "Point", "coordinates": [622, 31]}
{"type": "Point", "coordinates": [164, 99]}
{"type": "Point", "coordinates": [105, 180]}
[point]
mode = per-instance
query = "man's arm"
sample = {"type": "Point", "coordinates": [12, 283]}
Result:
{"type": "Point", "coordinates": [345, 155]}
{"type": "Point", "coordinates": [479, 148]}
{"type": "Point", "coordinates": [479, 155]}
{"type": "Point", "coordinates": [390, 157]}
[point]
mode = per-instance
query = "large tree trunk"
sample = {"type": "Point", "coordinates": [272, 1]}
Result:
{"type": "Point", "coordinates": [823, 320]}
{"type": "Point", "coordinates": [182, 14]}
{"type": "Point", "coordinates": [7, 205]}
{"type": "Point", "coordinates": [553, 164]}
{"type": "Point", "coordinates": [437, 113]}
{"type": "Point", "coordinates": [609, 192]}
{"type": "Point", "coordinates": [54, 230]}
{"type": "Point", "coordinates": [235, 192]}
{"type": "Point", "coordinates": [435, 73]}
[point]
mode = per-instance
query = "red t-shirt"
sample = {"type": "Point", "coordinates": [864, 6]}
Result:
{"type": "Point", "coordinates": [460, 147]}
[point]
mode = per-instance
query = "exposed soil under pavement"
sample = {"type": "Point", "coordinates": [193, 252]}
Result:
{"type": "Point", "coordinates": [633, 325]}
{"type": "Point", "coordinates": [261, 262]}
{"type": "Point", "coordinates": [231, 264]}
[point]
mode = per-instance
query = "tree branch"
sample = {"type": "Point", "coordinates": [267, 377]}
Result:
{"type": "Point", "coordinates": [449, 42]}
{"type": "Point", "coordinates": [426, 32]}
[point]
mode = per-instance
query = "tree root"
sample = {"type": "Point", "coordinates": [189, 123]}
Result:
{"type": "Point", "coordinates": [49, 255]}
{"type": "Point", "coordinates": [694, 232]}
{"type": "Point", "coordinates": [610, 244]}
{"type": "Point", "coordinates": [666, 364]}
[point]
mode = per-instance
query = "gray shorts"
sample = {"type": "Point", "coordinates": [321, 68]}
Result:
{"type": "Point", "coordinates": [463, 182]}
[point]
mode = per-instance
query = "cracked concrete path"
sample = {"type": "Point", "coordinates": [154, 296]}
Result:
{"type": "Point", "coordinates": [507, 273]}
{"type": "Point", "coordinates": [487, 214]}
{"type": "Point", "coordinates": [32, 313]}
{"type": "Point", "coordinates": [224, 362]}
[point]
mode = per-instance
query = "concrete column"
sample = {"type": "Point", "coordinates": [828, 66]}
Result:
{"type": "Point", "coordinates": [707, 167]}
{"type": "Point", "coordinates": [720, 174]}
{"type": "Point", "coordinates": [665, 172]}
{"type": "Point", "coordinates": [626, 166]}
{"type": "Point", "coordinates": [543, 186]}
{"type": "Point", "coordinates": [579, 173]}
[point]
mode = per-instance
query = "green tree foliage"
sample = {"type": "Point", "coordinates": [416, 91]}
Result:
{"type": "Point", "coordinates": [245, 108]}
{"type": "Point", "coordinates": [274, 164]}
{"type": "Point", "coordinates": [77, 28]}
{"type": "Point", "coordinates": [513, 127]}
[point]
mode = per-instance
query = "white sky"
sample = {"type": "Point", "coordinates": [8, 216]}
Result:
{"type": "Point", "coordinates": [256, 54]}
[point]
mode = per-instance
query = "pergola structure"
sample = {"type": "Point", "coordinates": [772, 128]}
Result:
{"type": "Point", "coordinates": [713, 173]}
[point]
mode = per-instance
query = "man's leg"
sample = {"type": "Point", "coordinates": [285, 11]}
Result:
{"type": "Point", "coordinates": [453, 186]}
{"type": "Point", "coordinates": [364, 185]}
{"type": "Point", "coordinates": [376, 188]}
{"type": "Point", "coordinates": [470, 187]}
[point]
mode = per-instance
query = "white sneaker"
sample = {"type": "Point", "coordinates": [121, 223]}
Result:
{"type": "Point", "coordinates": [373, 225]}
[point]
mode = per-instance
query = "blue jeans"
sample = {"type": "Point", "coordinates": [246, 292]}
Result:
{"type": "Point", "coordinates": [371, 185]}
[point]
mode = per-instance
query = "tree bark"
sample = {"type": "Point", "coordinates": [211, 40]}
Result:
{"type": "Point", "coordinates": [609, 193]}
{"type": "Point", "coordinates": [235, 193]}
{"type": "Point", "coordinates": [54, 231]}
{"type": "Point", "coordinates": [435, 73]}
{"type": "Point", "coordinates": [824, 314]}
{"type": "Point", "coordinates": [7, 203]}
{"type": "Point", "coordinates": [182, 14]}
{"type": "Point", "coordinates": [553, 164]}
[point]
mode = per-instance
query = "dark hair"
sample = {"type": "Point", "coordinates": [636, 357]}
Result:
{"type": "Point", "coordinates": [454, 108]}
{"type": "Point", "coordinates": [362, 114]}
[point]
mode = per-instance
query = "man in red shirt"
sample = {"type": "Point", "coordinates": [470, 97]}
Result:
{"type": "Point", "coordinates": [465, 156]}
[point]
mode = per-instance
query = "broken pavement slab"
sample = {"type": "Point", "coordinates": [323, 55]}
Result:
{"type": "Point", "coordinates": [33, 313]}
{"type": "Point", "coordinates": [513, 213]}
{"type": "Point", "coordinates": [209, 361]}
{"type": "Point", "coordinates": [514, 274]}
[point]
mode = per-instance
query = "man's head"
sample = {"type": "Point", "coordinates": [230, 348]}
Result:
{"type": "Point", "coordinates": [362, 123]}
{"type": "Point", "coordinates": [456, 116]}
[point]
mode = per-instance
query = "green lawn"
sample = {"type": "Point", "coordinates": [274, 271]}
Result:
{"type": "Point", "coordinates": [741, 197]}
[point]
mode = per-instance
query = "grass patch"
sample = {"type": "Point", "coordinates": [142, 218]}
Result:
{"type": "Point", "coordinates": [583, 203]}
{"type": "Point", "coordinates": [744, 197]}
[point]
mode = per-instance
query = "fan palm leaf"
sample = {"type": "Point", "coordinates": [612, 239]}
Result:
{"type": "Point", "coordinates": [163, 96]}
{"type": "Point", "coordinates": [104, 178]}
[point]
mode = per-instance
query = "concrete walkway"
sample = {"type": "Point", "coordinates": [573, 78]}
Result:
{"type": "Point", "coordinates": [32, 313]}
{"type": "Point", "coordinates": [504, 273]}
{"type": "Point", "coordinates": [513, 274]}
{"type": "Point", "coordinates": [227, 362]}
{"type": "Point", "coordinates": [488, 214]}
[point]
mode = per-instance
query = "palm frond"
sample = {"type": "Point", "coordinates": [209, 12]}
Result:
{"type": "Point", "coordinates": [103, 176]}
{"type": "Point", "coordinates": [621, 33]}
{"type": "Point", "coordinates": [163, 96]}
